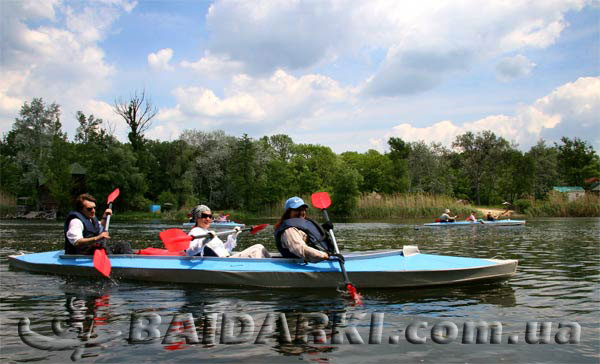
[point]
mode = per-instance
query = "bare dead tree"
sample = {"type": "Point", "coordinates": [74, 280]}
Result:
{"type": "Point", "coordinates": [137, 113]}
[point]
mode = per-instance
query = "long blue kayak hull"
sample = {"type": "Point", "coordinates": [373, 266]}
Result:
{"type": "Point", "coordinates": [506, 222]}
{"type": "Point", "coordinates": [368, 270]}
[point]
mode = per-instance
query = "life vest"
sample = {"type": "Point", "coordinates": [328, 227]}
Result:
{"type": "Point", "coordinates": [90, 228]}
{"type": "Point", "coordinates": [317, 237]}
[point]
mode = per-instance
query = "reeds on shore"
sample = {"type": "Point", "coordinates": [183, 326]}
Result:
{"type": "Point", "coordinates": [558, 205]}
{"type": "Point", "coordinates": [408, 205]}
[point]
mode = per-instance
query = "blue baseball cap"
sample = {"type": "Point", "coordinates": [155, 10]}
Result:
{"type": "Point", "coordinates": [294, 203]}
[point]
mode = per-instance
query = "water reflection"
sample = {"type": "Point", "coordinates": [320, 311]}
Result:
{"type": "Point", "coordinates": [80, 327]}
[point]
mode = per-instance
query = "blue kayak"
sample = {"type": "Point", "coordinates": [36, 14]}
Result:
{"type": "Point", "coordinates": [387, 269]}
{"type": "Point", "coordinates": [506, 222]}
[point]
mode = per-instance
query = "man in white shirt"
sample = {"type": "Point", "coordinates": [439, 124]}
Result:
{"type": "Point", "coordinates": [83, 232]}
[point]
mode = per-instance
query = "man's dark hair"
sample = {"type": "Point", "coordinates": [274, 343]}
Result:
{"type": "Point", "coordinates": [81, 198]}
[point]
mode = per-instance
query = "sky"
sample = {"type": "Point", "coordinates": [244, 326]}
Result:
{"type": "Point", "coordinates": [343, 74]}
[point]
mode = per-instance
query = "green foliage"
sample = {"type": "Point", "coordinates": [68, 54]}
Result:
{"type": "Point", "coordinates": [375, 168]}
{"type": "Point", "coordinates": [399, 152]}
{"type": "Point", "coordinates": [345, 190]}
{"type": "Point", "coordinates": [429, 169]}
{"type": "Point", "coordinates": [577, 160]}
{"type": "Point", "coordinates": [522, 205]}
{"type": "Point", "coordinates": [545, 169]}
{"type": "Point", "coordinates": [167, 197]}
{"type": "Point", "coordinates": [479, 158]}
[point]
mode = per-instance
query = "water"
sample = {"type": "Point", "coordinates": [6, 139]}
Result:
{"type": "Point", "coordinates": [557, 281]}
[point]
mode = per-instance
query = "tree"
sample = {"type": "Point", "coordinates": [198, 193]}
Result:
{"type": "Point", "coordinates": [516, 175]}
{"type": "Point", "coordinates": [280, 146]}
{"type": "Point", "coordinates": [479, 156]}
{"type": "Point", "coordinates": [243, 173]}
{"type": "Point", "coordinates": [375, 168]}
{"type": "Point", "coordinates": [89, 129]}
{"type": "Point", "coordinates": [314, 168]}
{"type": "Point", "coordinates": [577, 160]}
{"type": "Point", "coordinates": [212, 152]}
{"type": "Point", "coordinates": [545, 168]}
{"type": "Point", "coordinates": [138, 113]}
{"type": "Point", "coordinates": [429, 168]}
{"type": "Point", "coordinates": [398, 154]}
{"type": "Point", "coordinates": [34, 134]}
{"type": "Point", "coordinates": [345, 190]}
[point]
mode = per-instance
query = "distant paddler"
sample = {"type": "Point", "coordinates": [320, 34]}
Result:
{"type": "Point", "coordinates": [446, 217]}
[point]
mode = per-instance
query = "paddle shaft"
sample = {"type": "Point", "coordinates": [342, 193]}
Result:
{"type": "Point", "coordinates": [333, 241]}
{"type": "Point", "coordinates": [108, 218]}
{"type": "Point", "coordinates": [219, 233]}
{"type": "Point", "coordinates": [336, 249]}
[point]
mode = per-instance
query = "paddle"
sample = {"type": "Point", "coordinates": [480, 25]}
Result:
{"type": "Point", "coordinates": [101, 261]}
{"type": "Point", "coordinates": [177, 240]}
{"type": "Point", "coordinates": [322, 201]}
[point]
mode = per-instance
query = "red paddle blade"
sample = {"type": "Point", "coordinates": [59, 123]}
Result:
{"type": "Point", "coordinates": [175, 239]}
{"type": "Point", "coordinates": [258, 228]}
{"type": "Point", "coordinates": [357, 297]}
{"type": "Point", "coordinates": [321, 200]}
{"type": "Point", "coordinates": [101, 262]}
{"type": "Point", "coordinates": [113, 195]}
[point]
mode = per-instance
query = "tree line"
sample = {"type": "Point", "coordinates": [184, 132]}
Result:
{"type": "Point", "coordinates": [228, 172]}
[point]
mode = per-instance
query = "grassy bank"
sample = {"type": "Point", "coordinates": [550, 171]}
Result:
{"type": "Point", "coordinates": [404, 205]}
{"type": "Point", "coordinates": [557, 205]}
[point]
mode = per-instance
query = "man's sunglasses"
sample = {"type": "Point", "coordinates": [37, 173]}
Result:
{"type": "Point", "coordinates": [204, 216]}
{"type": "Point", "coordinates": [90, 209]}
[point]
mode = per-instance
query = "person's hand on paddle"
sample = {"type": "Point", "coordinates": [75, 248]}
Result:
{"type": "Point", "coordinates": [212, 234]}
{"type": "Point", "coordinates": [339, 256]}
{"type": "Point", "coordinates": [327, 225]}
{"type": "Point", "coordinates": [103, 235]}
{"type": "Point", "coordinates": [106, 213]}
{"type": "Point", "coordinates": [237, 230]}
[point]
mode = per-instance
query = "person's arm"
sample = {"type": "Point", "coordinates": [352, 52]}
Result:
{"type": "Point", "coordinates": [75, 234]}
{"type": "Point", "coordinates": [294, 240]}
{"type": "Point", "coordinates": [231, 242]}
{"type": "Point", "coordinates": [197, 245]}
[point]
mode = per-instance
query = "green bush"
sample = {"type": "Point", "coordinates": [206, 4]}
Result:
{"type": "Point", "coordinates": [522, 205]}
{"type": "Point", "coordinates": [168, 197]}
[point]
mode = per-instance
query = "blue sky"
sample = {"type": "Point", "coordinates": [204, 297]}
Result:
{"type": "Point", "coordinates": [344, 74]}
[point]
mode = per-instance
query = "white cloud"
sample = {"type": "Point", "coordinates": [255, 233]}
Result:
{"type": "Point", "coordinates": [511, 68]}
{"type": "Point", "coordinates": [159, 61]}
{"type": "Point", "coordinates": [275, 102]}
{"type": "Point", "coordinates": [214, 67]}
{"type": "Point", "coordinates": [424, 41]}
{"type": "Point", "coordinates": [60, 64]}
{"type": "Point", "coordinates": [168, 131]}
{"type": "Point", "coordinates": [571, 110]}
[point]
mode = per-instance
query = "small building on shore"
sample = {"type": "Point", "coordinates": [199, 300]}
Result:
{"type": "Point", "coordinates": [573, 193]}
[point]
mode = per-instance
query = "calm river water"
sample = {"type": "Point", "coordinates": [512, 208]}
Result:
{"type": "Point", "coordinates": [557, 281]}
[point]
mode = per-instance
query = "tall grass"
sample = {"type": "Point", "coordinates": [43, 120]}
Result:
{"type": "Point", "coordinates": [8, 204]}
{"type": "Point", "coordinates": [407, 205]}
{"type": "Point", "coordinates": [557, 205]}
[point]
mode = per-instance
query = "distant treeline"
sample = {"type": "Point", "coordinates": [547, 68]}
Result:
{"type": "Point", "coordinates": [226, 172]}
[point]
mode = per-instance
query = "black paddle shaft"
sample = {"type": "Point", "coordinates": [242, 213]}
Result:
{"type": "Point", "coordinates": [335, 248]}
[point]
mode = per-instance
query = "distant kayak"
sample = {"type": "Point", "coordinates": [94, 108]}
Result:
{"type": "Point", "coordinates": [506, 222]}
{"type": "Point", "coordinates": [216, 225]}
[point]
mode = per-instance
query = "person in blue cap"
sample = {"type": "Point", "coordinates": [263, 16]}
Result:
{"type": "Point", "coordinates": [297, 236]}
